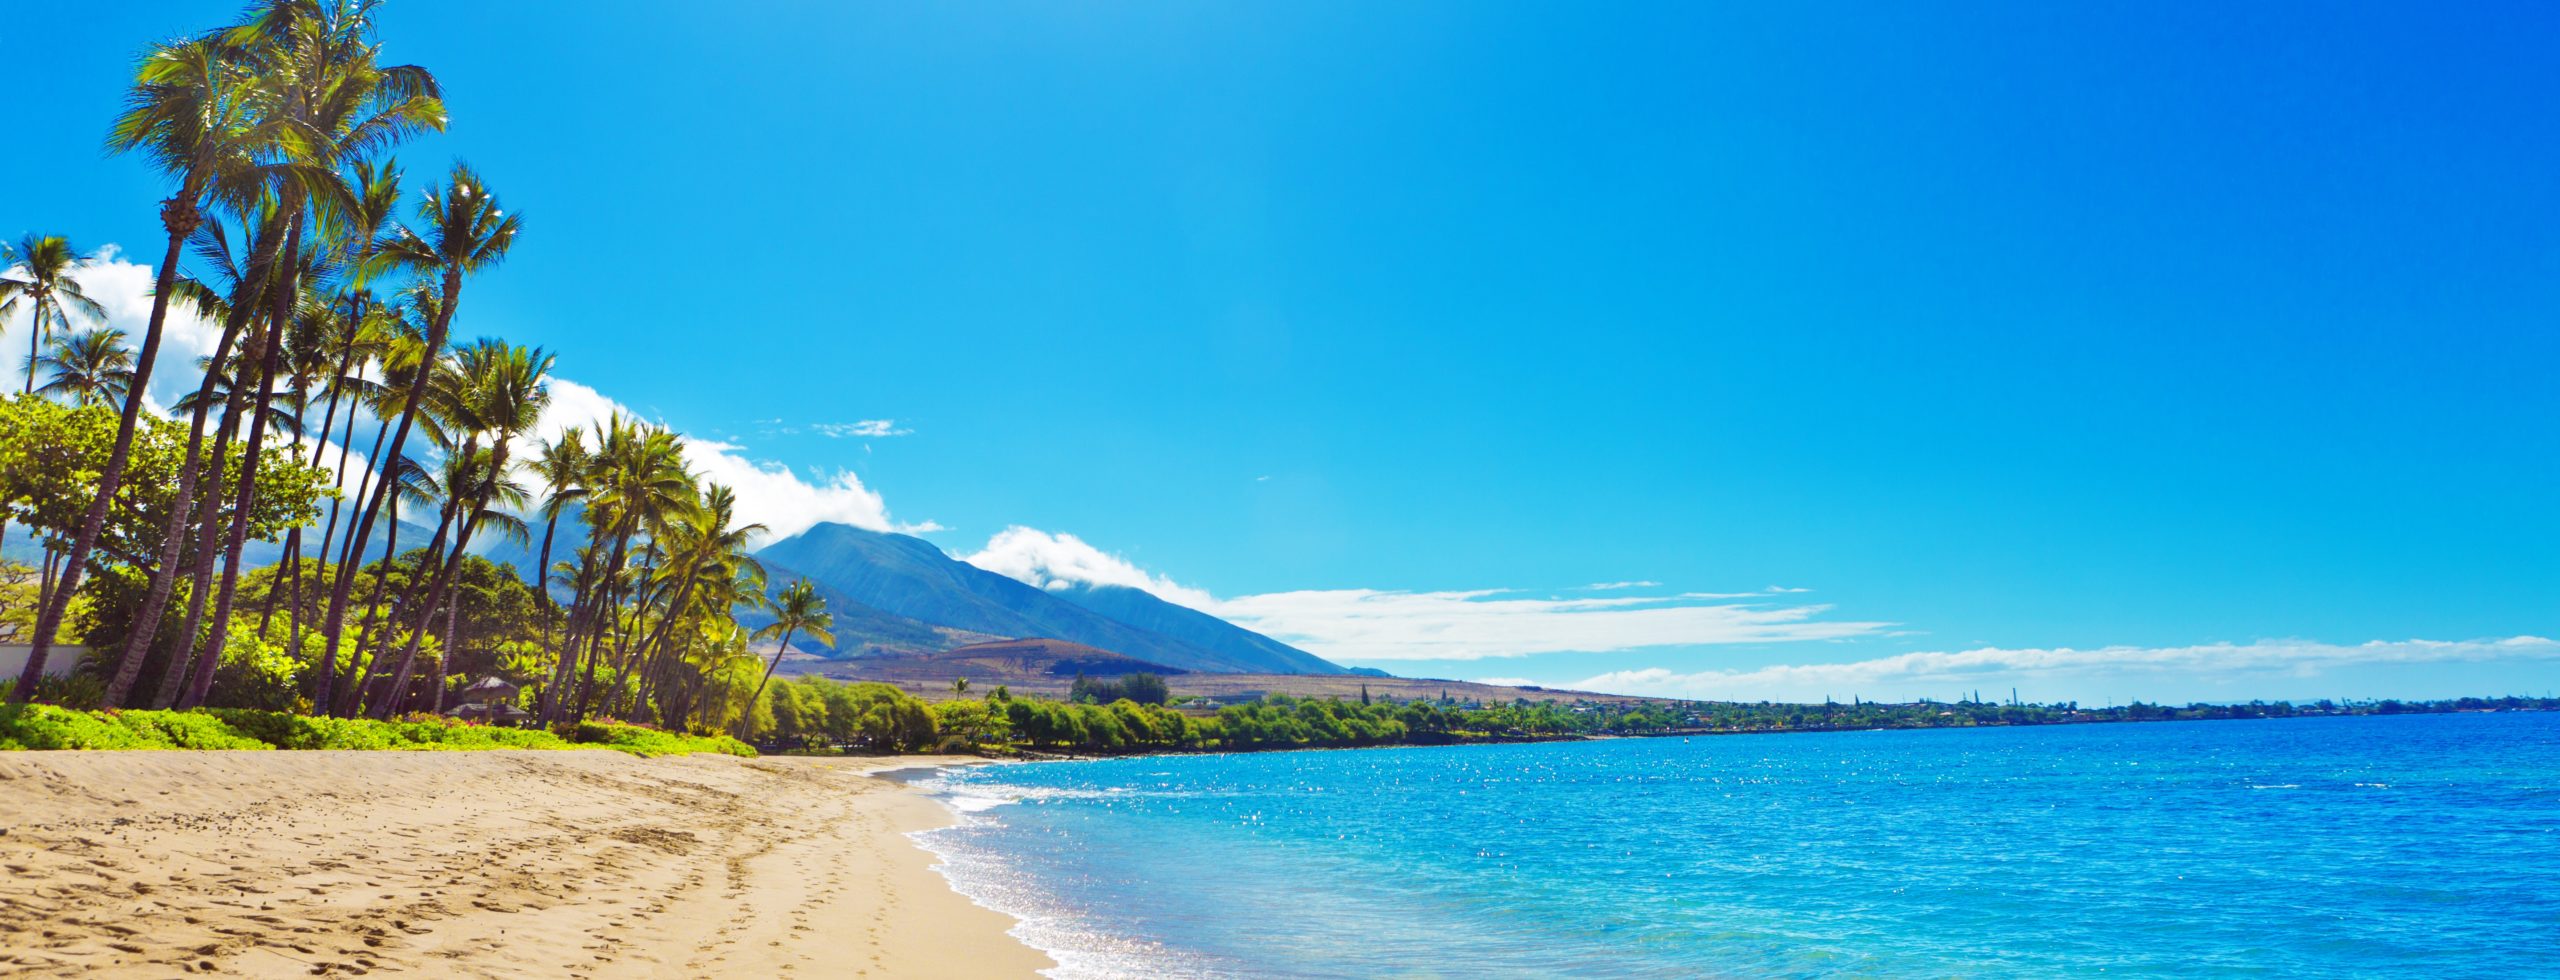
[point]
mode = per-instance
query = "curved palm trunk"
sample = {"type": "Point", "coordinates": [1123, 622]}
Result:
{"type": "Point", "coordinates": [625, 658]}
{"type": "Point", "coordinates": [164, 578]}
{"type": "Point", "coordinates": [373, 617]}
{"type": "Point", "coordinates": [564, 661]}
{"type": "Point", "coordinates": [438, 592]}
{"type": "Point", "coordinates": [408, 418]}
{"type": "Point", "coordinates": [603, 618]}
{"type": "Point", "coordinates": [178, 216]}
{"type": "Point", "coordinates": [444, 663]}
{"type": "Point", "coordinates": [441, 590]}
{"type": "Point", "coordinates": [200, 564]}
{"type": "Point", "coordinates": [414, 598]}
{"type": "Point", "coordinates": [351, 555]}
{"type": "Point", "coordinates": [253, 449]}
{"type": "Point", "coordinates": [769, 667]}
{"type": "Point", "coordinates": [293, 536]}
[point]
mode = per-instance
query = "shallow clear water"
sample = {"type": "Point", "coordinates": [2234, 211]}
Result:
{"type": "Point", "coordinates": [2414, 845]}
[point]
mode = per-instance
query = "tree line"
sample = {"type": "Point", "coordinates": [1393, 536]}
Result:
{"type": "Point", "coordinates": [337, 284]}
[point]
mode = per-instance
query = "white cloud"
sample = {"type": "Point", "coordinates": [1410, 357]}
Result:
{"type": "Point", "coordinates": [865, 429]}
{"type": "Point", "coordinates": [1053, 560]}
{"type": "Point", "coordinates": [769, 493]}
{"type": "Point", "coordinates": [124, 289]}
{"type": "Point", "coordinates": [2192, 670]}
{"type": "Point", "coordinates": [1615, 586]}
{"type": "Point", "coordinates": [1371, 624]}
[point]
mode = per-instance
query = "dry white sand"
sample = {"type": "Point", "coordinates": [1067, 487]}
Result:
{"type": "Point", "coordinates": [481, 864]}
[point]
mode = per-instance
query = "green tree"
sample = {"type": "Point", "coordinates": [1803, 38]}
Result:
{"type": "Point", "coordinates": [797, 610]}
{"type": "Point", "coordinates": [90, 367]}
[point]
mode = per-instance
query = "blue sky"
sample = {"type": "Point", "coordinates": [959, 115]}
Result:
{"type": "Point", "coordinates": [2217, 337]}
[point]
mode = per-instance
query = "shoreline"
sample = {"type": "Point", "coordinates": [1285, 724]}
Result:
{"type": "Point", "coordinates": [491, 864]}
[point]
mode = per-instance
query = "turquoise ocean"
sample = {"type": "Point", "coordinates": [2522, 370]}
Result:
{"type": "Point", "coordinates": [2375, 846]}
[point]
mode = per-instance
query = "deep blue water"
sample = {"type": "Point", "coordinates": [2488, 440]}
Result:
{"type": "Point", "coordinates": [2409, 845]}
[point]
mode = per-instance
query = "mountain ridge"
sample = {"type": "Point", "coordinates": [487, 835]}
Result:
{"type": "Point", "coordinates": [914, 579]}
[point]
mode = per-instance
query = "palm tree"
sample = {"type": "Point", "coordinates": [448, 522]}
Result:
{"type": "Point", "coordinates": [345, 105]}
{"type": "Point", "coordinates": [92, 367]}
{"type": "Point", "coordinates": [466, 232]}
{"type": "Point", "coordinates": [495, 392]}
{"type": "Point", "coordinates": [706, 556]}
{"type": "Point", "coordinates": [42, 283]}
{"type": "Point", "coordinates": [193, 112]}
{"type": "Point", "coordinates": [796, 609]}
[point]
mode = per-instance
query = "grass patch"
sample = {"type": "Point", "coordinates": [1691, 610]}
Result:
{"type": "Point", "coordinates": [44, 726]}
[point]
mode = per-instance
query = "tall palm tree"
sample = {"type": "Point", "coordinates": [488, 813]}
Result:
{"type": "Point", "coordinates": [496, 393]}
{"type": "Point", "coordinates": [44, 284]}
{"type": "Point", "coordinates": [91, 367]}
{"type": "Point", "coordinates": [796, 609]}
{"type": "Point", "coordinates": [639, 480]}
{"type": "Point", "coordinates": [347, 105]}
{"type": "Point", "coordinates": [229, 294]}
{"type": "Point", "coordinates": [467, 232]}
{"type": "Point", "coordinates": [560, 465]}
{"type": "Point", "coordinates": [706, 553]}
{"type": "Point", "coordinates": [193, 111]}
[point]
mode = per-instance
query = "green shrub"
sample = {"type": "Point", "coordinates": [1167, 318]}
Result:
{"type": "Point", "coordinates": [184, 730]}
{"type": "Point", "coordinates": [649, 743]}
{"type": "Point", "coordinates": [45, 726]}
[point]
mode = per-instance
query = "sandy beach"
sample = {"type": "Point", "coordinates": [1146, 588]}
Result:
{"type": "Point", "coordinates": [485, 864]}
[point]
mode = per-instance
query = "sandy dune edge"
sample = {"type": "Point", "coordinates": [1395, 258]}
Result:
{"type": "Point", "coordinates": [485, 864]}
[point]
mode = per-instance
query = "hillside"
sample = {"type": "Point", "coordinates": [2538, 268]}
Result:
{"type": "Point", "coordinates": [912, 578]}
{"type": "Point", "coordinates": [1140, 608]}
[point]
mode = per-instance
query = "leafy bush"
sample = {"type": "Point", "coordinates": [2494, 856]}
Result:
{"type": "Point", "coordinates": [183, 730]}
{"type": "Point", "coordinates": [650, 742]}
{"type": "Point", "coordinates": [291, 731]}
{"type": "Point", "coordinates": [44, 726]}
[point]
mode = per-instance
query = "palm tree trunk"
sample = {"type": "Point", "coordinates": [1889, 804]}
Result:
{"type": "Point", "coordinates": [281, 293]}
{"type": "Point", "coordinates": [768, 679]}
{"type": "Point", "coordinates": [357, 679]}
{"type": "Point", "coordinates": [293, 536]}
{"type": "Point", "coordinates": [415, 598]}
{"type": "Point", "coordinates": [178, 216]}
{"type": "Point", "coordinates": [400, 438]}
{"type": "Point", "coordinates": [437, 590]}
{"type": "Point", "coordinates": [200, 563]}
{"type": "Point", "coordinates": [164, 578]}
{"type": "Point", "coordinates": [603, 617]}
{"type": "Point", "coordinates": [564, 661]}
{"type": "Point", "coordinates": [351, 557]}
{"type": "Point", "coordinates": [35, 333]}
{"type": "Point", "coordinates": [444, 662]}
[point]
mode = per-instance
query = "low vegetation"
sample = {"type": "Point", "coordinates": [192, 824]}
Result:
{"type": "Point", "coordinates": [45, 726]}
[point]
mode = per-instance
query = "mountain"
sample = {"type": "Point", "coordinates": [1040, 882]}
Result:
{"type": "Point", "coordinates": [909, 577]}
{"type": "Point", "coordinates": [1140, 608]}
{"type": "Point", "coordinates": [861, 630]}
{"type": "Point", "coordinates": [24, 548]}
{"type": "Point", "coordinates": [1053, 658]}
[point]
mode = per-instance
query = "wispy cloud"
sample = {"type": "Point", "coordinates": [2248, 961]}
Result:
{"type": "Point", "coordinates": [1051, 561]}
{"type": "Point", "coordinates": [1376, 624]}
{"type": "Point", "coordinates": [1615, 586]}
{"type": "Point", "coordinates": [2248, 667]}
{"type": "Point", "coordinates": [865, 429]}
{"type": "Point", "coordinates": [769, 493]}
{"type": "Point", "coordinates": [124, 289]}
{"type": "Point", "coordinates": [1371, 624]}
